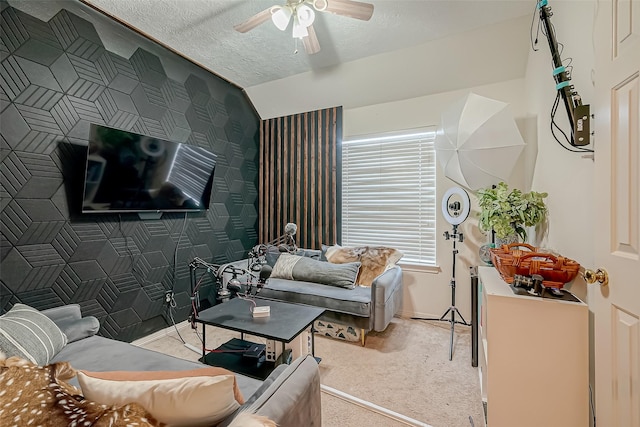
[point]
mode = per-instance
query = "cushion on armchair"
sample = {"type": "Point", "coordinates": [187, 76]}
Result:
{"type": "Point", "coordinates": [77, 329]}
{"type": "Point", "coordinates": [70, 321]}
{"type": "Point", "coordinates": [374, 259]}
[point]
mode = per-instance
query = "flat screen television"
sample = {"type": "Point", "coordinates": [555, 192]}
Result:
{"type": "Point", "coordinates": [129, 172]}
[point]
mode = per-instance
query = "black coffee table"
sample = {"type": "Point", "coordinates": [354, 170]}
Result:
{"type": "Point", "coordinates": [285, 322]}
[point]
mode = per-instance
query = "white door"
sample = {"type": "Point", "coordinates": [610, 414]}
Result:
{"type": "Point", "coordinates": [616, 307]}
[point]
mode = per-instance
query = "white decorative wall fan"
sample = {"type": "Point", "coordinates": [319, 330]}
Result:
{"type": "Point", "coordinates": [302, 13]}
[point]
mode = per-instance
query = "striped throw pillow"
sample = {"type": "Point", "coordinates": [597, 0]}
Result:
{"type": "Point", "coordinates": [27, 333]}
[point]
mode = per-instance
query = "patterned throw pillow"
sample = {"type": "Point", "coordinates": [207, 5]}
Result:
{"type": "Point", "coordinates": [375, 260]}
{"type": "Point", "coordinates": [27, 333]}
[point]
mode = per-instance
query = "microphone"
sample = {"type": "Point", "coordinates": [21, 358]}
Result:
{"type": "Point", "coordinates": [289, 245]}
{"type": "Point", "coordinates": [234, 285]}
{"type": "Point", "coordinates": [290, 229]}
{"type": "Point", "coordinates": [265, 272]}
{"type": "Point", "coordinates": [285, 239]}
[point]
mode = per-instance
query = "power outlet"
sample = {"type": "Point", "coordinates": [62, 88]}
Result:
{"type": "Point", "coordinates": [168, 297]}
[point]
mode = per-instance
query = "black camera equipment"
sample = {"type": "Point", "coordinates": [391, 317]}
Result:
{"type": "Point", "coordinates": [224, 290]}
{"type": "Point", "coordinates": [530, 283]}
{"type": "Point", "coordinates": [578, 113]}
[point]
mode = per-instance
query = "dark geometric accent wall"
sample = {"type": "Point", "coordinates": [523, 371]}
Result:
{"type": "Point", "coordinates": [56, 78]}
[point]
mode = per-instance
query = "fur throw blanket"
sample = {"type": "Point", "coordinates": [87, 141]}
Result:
{"type": "Point", "coordinates": [374, 259]}
{"type": "Point", "coordinates": [39, 396]}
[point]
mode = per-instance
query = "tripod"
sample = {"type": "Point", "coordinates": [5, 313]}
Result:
{"type": "Point", "coordinates": [452, 310]}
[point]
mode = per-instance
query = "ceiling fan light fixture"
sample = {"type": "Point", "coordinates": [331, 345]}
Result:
{"type": "Point", "coordinates": [299, 31]}
{"type": "Point", "coordinates": [305, 15]}
{"type": "Point", "coordinates": [281, 17]}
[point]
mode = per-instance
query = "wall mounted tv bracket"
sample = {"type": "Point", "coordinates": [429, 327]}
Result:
{"type": "Point", "coordinates": [579, 114]}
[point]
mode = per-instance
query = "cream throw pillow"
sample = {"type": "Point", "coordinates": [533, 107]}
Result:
{"type": "Point", "coordinates": [179, 398]}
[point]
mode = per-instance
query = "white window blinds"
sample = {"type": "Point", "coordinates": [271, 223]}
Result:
{"type": "Point", "coordinates": [389, 194]}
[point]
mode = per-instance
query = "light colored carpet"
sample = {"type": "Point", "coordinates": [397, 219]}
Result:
{"type": "Point", "coordinates": [405, 369]}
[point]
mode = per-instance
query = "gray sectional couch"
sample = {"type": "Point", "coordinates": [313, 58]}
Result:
{"type": "Point", "coordinates": [290, 396]}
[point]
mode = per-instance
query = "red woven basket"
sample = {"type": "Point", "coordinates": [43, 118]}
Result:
{"type": "Point", "coordinates": [555, 270]}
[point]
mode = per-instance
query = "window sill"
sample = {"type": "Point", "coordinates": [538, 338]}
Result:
{"type": "Point", "coordinates": [431, 269]}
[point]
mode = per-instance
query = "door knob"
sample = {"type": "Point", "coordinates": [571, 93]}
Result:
{"type": "Point", "coordinates": [600, 275]}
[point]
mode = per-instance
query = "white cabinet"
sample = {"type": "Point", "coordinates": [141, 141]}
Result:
{"type": "Point", "coordinates": [534, 357]}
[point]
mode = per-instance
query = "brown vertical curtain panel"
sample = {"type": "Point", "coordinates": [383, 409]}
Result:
{"type": "Point", "coordinates": [298, 176]}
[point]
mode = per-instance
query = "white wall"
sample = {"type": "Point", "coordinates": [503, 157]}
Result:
{"type": "Point", "coordinates": [566, 176]}
{"type": "Point", "coordinates": [428, 294]}
{"type": "Point", "coordinates": [486, 55]}
{"type": "Point", "coordinates": [406, 89]}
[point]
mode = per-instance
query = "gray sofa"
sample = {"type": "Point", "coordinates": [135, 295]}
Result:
{"type": "Point", "coordinates": [290, 396]}
{"type": "Point", "coordinates": [364, 308]}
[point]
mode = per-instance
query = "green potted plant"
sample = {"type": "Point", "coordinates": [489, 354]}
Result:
{"type": "Point", "coordinates": [508, 211]}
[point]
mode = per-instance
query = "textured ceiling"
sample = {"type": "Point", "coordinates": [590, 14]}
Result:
{"type": "Point", "coordinates": [202, 30]}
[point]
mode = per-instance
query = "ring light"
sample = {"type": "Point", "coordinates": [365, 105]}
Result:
{"type": "Point", "coordinates": [456, 211]}
{"type": "Point", "coordinates": [455, 208]}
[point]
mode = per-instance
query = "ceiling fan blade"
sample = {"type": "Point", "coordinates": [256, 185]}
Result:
{"type": "Point", "coordinates": [310, 42]}
{"type": "Point", "coordinates": [254, 21]}
{"type": "Point", "coordinates": [350, 8]}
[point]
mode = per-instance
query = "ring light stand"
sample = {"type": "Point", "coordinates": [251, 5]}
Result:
{"type": "Point", "coordinates": [455, 212]}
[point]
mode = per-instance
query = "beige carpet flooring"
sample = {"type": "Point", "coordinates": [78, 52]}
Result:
{"type": "Point", "coordinates": [405, 369]}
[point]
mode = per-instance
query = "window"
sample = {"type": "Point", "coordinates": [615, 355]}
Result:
{"type": "Point", "coordinates": [389, 193]}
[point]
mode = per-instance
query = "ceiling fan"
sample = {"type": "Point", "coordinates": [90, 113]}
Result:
{"type": "Point", "coordinates": [302, 13]}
